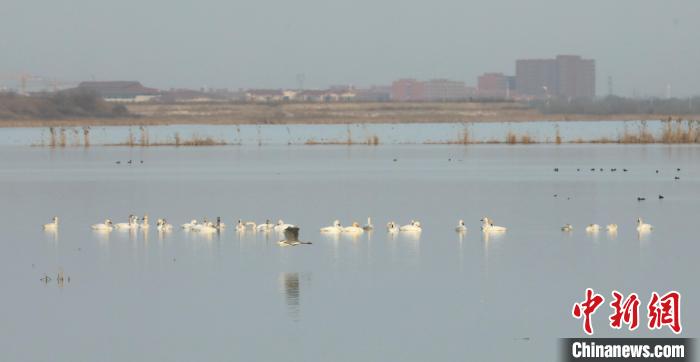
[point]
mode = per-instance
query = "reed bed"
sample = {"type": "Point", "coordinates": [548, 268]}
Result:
{"type": "Point", "coordinates": [678, 132]}
{"type": "Point", "coordinates": [372, 140]}
{"type": "Point", "coordinates": [195, 141]}
{"type": "Point", "coordinates": [525, 139]}
{"type": "Point", "coordinates": [671, 131]}
{"type": "Point", "coordinates": [557, 136]}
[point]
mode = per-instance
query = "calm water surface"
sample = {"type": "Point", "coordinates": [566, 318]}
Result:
{"type": "Point", "coordinates": [434, 297]}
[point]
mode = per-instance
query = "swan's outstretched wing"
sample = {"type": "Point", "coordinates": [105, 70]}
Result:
{"type": "Point", "coordinates": [291, 234]}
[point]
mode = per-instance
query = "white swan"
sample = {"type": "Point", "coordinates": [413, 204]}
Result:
{"type": "Point", "coordinates": [391, 227]}
{"type": "Point", "coordinates": [414, 226]}
{"type": "Point", "coordinates": [189, 225]}
{"type": "Point", "coordinates": [162, 225]}
{"type": "Point", "coordinates": [250, 225]}
{"type": "Point", "coordinates": [266, 226]}
{"type": "Point", "coordinates": [335, 228]}
{"type": "Point", "coordinates": [353, 229]}
{"type": "Point", "coordinates": [219, 225]}
{"type": "Point", "coordinates": [106, 226]}
{"type": "Point", "coordinates": [144, 223]}
{"type": "Point", "coordinates": [567, 228]}
{"type": "Point", "coordinates": [127, 225]}
{"type": "Point", "coordinates": [642, 227]}
{"type": "Point", "coordinates": [461, 227]}
{"type": "Point", "coordinates": [592, 228]}
{"type": "Point", "coordinates": [369, 225]}
{"type": "Point", "coordinates": [281, 226]}
{"type": "Point", "coordinates": [240, 226]}
{"type": "Point", "coordinates": [53, 225]}
{"type": "Point", "coordinates": [488, 226]}
{"type": "Point", "coordinates": [611, 228]}
{"type": "Point", "coordinates": [205, 227]}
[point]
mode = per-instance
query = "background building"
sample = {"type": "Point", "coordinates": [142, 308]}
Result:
{"type": "Point", "coordinates": [407, 90]}
{"type": "Point", "coordinates": [120, 91]}
{"type": "Point", "coordinates": [374, 94]}
{"type": "Point", "coordinates": [446, 90]}
{"type": "Point", "coordinates": [495, 85]}
{"type": "Point", "coordinates": [536, 77]}
{"type": "Point", "coordinates": [567, 76]}
{"type": "Point", "coordinates": [576, 77]}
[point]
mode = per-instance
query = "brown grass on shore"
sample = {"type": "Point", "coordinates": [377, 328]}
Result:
{"type": "Point", "coordinates": [145, 141]}
{"type": "Point", "coordinates": [526, 139]}
{"type": "Point", "coordinates": [195, 141]}
{"type": "Point", "coordinates": [673, 132]}
{"type": "Point", "coordinates": [177, 141]}
{"type": "Point", "coordinates": [86, 136]}
{"type": "Point", "coordinates": [676, 132]}
{"type": "Point", "coordinates": [641, 136]}
{"type": "Point", "coordinates": [62, 138]}
{"type": "Point", "coordinates": [370, 141]}
{"type": "Point", "coordinates": [373, 140]}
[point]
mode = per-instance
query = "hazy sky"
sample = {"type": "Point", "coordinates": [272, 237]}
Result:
{"type": "Point", "coordinates": [643, 44]}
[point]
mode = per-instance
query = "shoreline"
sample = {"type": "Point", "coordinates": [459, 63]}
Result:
{"type": "Point", "coordinates": [136, 121]}
{"type": "Point", "coordinates": [328, 114]}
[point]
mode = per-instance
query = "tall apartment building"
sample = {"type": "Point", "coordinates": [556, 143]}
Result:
{"type": "Point", "coordinates": [565, 76]}
{"type": "Point", "coordinates": [576, 76]}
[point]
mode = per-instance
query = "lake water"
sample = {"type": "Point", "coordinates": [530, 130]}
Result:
{"type": "Point", "coordinates": [439, 296]}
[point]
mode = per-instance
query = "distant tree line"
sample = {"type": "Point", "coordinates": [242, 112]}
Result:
{"type": "Point", "coordinates": [64, 104]}
{"type": "Point", "coordinates": [619, 105]}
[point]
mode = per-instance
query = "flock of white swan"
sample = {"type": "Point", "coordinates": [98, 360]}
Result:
{"type": "Point", "coordinates": [292, 232]}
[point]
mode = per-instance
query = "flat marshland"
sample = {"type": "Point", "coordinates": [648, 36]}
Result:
{"type": "Point", "coordinates": [145, 114]}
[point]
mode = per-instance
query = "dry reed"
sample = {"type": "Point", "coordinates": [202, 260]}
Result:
{"type": "Point", "coordinates": [86, 136]}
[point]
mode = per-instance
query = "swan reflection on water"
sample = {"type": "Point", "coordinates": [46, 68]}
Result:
{"type": "Point", "coordinates": [103, 235]}
{"type": "Point", "coordinates": [487, 236]}
{"type": "Point", "coordinates": [331, 236]}
{"type": "Point", "coordinates": [51, 234]}
{"type": "Point", "coordinates": [643, 235]}
{"type": "Point", "coordinates": [461, 235]}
